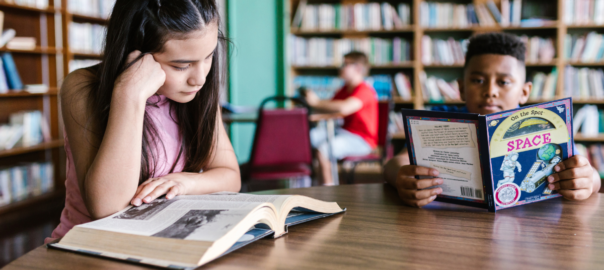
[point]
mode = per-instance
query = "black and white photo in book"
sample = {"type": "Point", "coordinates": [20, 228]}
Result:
{"type": "Point", "coordinates": [146, 210]}
{"type": "Point", "coordinates": [187, 224]}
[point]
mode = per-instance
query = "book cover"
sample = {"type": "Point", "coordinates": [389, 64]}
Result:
{"type": "Point", "coordinates": [493, 161]}
{"type": "Point", "coordinates": [12, 75]}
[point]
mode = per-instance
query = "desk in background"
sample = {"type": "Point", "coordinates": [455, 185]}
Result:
{"type": "Point", "coordinates": [377, 232]}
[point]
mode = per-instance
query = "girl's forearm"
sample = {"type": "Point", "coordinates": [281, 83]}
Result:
{"type": "Point", "coordinates": [215, 180]}
{"type": "Point", "coordinates": [113, 176]}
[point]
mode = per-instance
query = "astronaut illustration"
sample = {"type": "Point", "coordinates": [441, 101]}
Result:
{"type": "Point", "coordinates": [510, 163]}
{"type": "Point", "coordinates": [532, 182]}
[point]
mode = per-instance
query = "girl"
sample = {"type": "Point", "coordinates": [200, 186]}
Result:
{"type": "Point", "coordinates": [146, 122]}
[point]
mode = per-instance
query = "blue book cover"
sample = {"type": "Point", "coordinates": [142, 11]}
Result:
{"type": "Point", "coordinates": [492, 161]}
{"type": "Point", "coordinates": [12, 75]}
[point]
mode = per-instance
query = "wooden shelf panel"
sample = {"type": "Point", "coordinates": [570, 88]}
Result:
{"type": "Point", "coordinates": [581, 138]}
{"type": "Point", "coordinates": [389, 66]}
{"type": "Point", "coordinates": [586, 64]}
{"type": "Point", "coordinates": [23, 93]}
{"type": "Point", "coordinates": [447, 102]}
{"type": "Point", "coordinates": [300, 32]}
{"type": "Point", "coordinates": [33, 201]}
{"type": "Point", "coordinates": [85, 55]}
{"type": "Point", "coordinates": [458, 65]}
{"type": "Point", "coordinates": [588, 101]}
{"type": "Point", "coordinates": [37, 50]}
{"type": "Point", "coordinates": [579, 26]}
{"type": "Point", "coordinates": [399, 100]}
{"type": "Point", "coordinates": [86, 18]}
{"type": "Point", "coordinates": [49, 10]}
{"type": "Point", "coordinates": [488, 28]}
{"type": "Point", "coordinates": [25, 150]}
{"type": "Point", "coordinates": [398, 136]}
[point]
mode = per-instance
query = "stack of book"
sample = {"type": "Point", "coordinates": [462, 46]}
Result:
{"type": "Point", "coordinates": [452, 15]}
{"type": "Point", "coordinates": [584, 83]}
{"type": "Point", "coordinates": [330, 52]}
{"type": "Point", "coordinates": [436, 90]}
{"type": "Point", "coordinates": [539, 50]}
{"type": "Point", "coordinates": [9, 75]}
{"type": "Point", "coordinates": [584, 48]}
{"type": "Point", "coordinates": [443, 52]}
{"type": "Point", "coordinates": [86, 37]}
{"type": "Point", "coordinates": [544, 85]}
{"type": "Point", "coordinates": [26, 128]}
{"type": "Point", "coordinates": [78, 64]}
{"type": "Point", "coordinates": [41, 4]}
{"type": "Point", "coordinates": [584, 12]}
{"type": "Point", "coordinates": [588, 121]}
{"type": "Point", "coordinates": [92, 8]}
{"type": "Point", "coordinates": [357, 17]}
{"type": "Point", "coordinates": [21, 182]}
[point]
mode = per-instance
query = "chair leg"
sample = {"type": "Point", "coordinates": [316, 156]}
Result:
{"type": "Point", "coordinates": [350, 174]}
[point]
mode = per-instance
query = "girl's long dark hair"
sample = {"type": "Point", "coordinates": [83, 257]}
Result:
{"type": "Point", "coordinates": [146, 25]}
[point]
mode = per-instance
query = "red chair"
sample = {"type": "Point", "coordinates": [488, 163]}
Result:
{"type": "Point", "coordinates": [384, 149]}
{"type": "Point", "coordinates": [281, 147]}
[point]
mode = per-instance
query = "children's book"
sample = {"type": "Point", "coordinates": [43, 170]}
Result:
{"type": "Point", "coordinates": [189, 231]}
{"type": "Point", "coordinates": [492, 161]}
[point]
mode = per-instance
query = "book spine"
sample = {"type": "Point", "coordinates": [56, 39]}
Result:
{"type": "Point", "coordinates": [12, 75]}
{"type": "Point", "coordinates": [485, 164]}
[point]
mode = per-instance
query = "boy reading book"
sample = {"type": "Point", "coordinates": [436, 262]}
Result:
{"type": "Point", "coordinates": [357, 102]}
{"type": "Point", "coordinates": [494, 80]}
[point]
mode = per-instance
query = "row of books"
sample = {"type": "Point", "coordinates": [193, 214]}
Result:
{"type": "Point", "coordinates": [42, 4]}
{"type": "Point", "coordinates": [25, 128]}
{"type": "Point", "coordinates": [359, 17]}
{"type": "Point", "coordinates": [330, 52]}
{"type": "Point", "coordinates": [436, 89]}
{"type": "Point", "coordinates": [16, 245]}
{"type": "Point", "coordinates": [443, 52]}
{"type": "Point", "coordinates": [452, 15]}
{"type": "Point", "coordinates": [588, 121]}
{"type": "Point", "coordinates": [544, 85]}
{"type": "Point", "coordinates": [584, 48]}
{"type": "Point", "coordinates": [93, 8]}
{"type": "Point", "coordinates": [584, 12]}
{"type": "Point", "coordinates": [9, 75]}
{"type": "Point", "coordinates": [86, 37]}
{"type": "Point", "coordinates": [384, 84]}
{"type": "Point", "coordinates": [82, 63]}
{"type": "Point", "coordinates": [583, 83]}
{"type": "Point", "coordinates": [595, 155]}
{"type": "Point", "coordinates": [21, 182]}
{"type": "Point", "coordinates": [538, 49]}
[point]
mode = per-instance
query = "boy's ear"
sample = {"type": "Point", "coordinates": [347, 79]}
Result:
{"type": "Point", "coordinates": [461, 89]}
{"type": "Point", "coordinates": [526, 91]}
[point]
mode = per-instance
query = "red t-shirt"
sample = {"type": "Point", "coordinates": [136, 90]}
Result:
{"type": "Point", "coordinates": [364, 122]}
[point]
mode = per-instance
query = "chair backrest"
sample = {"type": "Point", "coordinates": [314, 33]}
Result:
{"type": "Point", "coordinates": [384, 108]}
{"type": "Point", "coordinates": [282, 135]}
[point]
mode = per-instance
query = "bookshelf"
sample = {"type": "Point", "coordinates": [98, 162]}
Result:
{"type": "Point", "coordinates": [42, 65]}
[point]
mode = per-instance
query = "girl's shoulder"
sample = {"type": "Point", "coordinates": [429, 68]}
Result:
{"type": "Point", "coordinates": [78, 81]}
{"type": "Point", "coordinates": [74, 95]}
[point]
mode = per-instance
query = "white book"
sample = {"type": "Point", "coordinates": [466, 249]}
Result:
{"type": "Point", "coordinates": [579, 119]}
{"type": "Point", "coordinates": [517, 12]}
{"type": "Point", "coordinates": [426, 50]}
{"type": "Point", "coordinates": [599, 12]}
{"type": "Point", "coordinates": [433, 89]}
{"type": "Point", "coordinates": [5, 188]}
{"type": "Point", "coordinates": [569, 12]}
{"type": "Point", "coordinates": [578, 49]}
{"type": "Point", "coordinates": [505, 13]}
{"type": "Point", "coordinates": [401, 82]}
{"type": "Point", "coordinates": [16, 134]}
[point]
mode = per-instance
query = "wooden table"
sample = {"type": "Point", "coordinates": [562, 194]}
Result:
{"type": "Point", "coordinates": [377, 232]}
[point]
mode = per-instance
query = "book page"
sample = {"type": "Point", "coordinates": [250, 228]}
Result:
{"type": "Point", "coordinates": [199, 217]}
{"type": "Point", "coordinates": [451, 148]}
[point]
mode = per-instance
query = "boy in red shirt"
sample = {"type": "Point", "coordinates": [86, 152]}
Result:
{"type": "Point", "coordinates": [357, 102]}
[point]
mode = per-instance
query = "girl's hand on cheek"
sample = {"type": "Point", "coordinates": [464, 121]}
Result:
{"type": "Point", "coordinates": [172, 185]}
{"type": "Point", "coordinates": [141, 80]}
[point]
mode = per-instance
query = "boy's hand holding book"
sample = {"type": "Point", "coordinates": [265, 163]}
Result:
{"type": "Point", "coordinates": [417, 192]}
{"type": "Point", "coordinates": [574, 179]}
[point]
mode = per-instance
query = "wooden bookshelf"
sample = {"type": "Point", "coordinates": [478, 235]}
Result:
{"type": "Point", "coordinates": [42, 65]}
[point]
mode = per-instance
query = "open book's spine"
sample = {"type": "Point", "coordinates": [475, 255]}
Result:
{"type": "Point", "coordinates": [485, 163]}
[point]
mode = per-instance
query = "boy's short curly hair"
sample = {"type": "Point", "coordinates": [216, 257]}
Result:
{"type": "Point", "coordinates": [496, 43]}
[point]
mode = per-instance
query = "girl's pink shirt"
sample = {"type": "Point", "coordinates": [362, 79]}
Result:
{"type": "Point", "coordinates": [75, 211]}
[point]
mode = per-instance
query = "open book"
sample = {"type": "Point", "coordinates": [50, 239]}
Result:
{"type": "Point", "coordinates": [189, 231]}
{"type": "Point", "coordinates": [492, 161]}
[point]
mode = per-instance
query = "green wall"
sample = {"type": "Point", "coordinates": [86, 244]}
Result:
{"type": "Point", "coordinates": [256, 65]}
